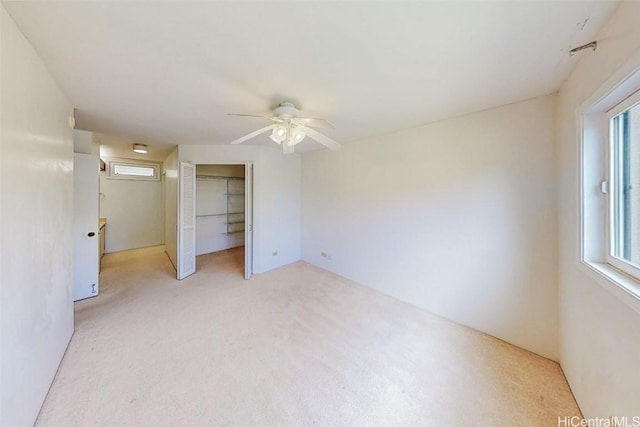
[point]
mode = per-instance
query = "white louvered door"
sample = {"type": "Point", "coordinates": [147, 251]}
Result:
{"type": "Point", "coordinates": [248, 215]}
{"type": "Point", "coordinates": [186, 221]}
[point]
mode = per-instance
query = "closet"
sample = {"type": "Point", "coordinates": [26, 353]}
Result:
{"type": "Point", "coordinates": [220, 209]}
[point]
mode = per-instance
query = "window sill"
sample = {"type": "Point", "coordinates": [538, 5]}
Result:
{"type": "Point", "coordinates": [621, 285]}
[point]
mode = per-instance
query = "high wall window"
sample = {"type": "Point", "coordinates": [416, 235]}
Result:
{"type": "Point", "coordinates": [133, 169]}
{"type": "Point", "coordinates": [624, 186]}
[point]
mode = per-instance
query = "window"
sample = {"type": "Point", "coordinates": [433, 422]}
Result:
{"type": "Point", "coordinates": [610, 184]}
{"type": "Point", "coordinates": [624, 186]}
{"type": "Point", "coordinates": [133, 169]}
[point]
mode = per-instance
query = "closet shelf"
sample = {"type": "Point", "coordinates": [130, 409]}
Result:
{"type": "Point", "coordinates": [235, 197]}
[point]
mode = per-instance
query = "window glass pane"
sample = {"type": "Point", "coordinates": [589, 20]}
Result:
{"type": "Point", "coordinates": [625, 236]}
{"type": "Point", "coordinates": [133, 170]}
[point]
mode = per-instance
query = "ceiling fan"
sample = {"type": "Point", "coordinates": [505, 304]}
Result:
{"type": "Point", "coordinates": [289, 128]}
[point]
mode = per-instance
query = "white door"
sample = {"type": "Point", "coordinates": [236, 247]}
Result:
{"type": "Point", "coordinates": [186, 220]}
{"type": "Point", "coordinates": [86, 241]}
{"type": "Point", "coordinates": [248, 220]}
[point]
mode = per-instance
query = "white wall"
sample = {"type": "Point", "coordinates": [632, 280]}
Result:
{"type": "Point", "coordinates": [170, 168]}
{"type": "Point", "coordinates": [599, 334]}
{"type": "Point", "coordinates": [83, 142]}
{"type": "Point", "coordinates": [236, 171]}
{"type": "Point", "coordinates": [134, 211]}
{"type": "Point", "coordinates": [458, 217]}
{"type": "Point", "coordinates": [276, 199]}
{"type": "Point", "coordinates": [36, 249]}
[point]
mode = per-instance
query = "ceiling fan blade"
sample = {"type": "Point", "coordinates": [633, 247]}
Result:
{"type": "Point", "coordinates": [286, 148]}
{"type": "Point", "coordinates": [248, 115]}
{"type": "Point", "coordinates": [324, 140]}
{"type": "Point", "coordinates": [311, 121]}
{"type": "Point", "coordinates": [253, 134]}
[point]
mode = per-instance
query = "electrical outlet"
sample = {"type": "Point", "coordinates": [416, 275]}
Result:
{"type": "Point", "coordinates": [274, 253]}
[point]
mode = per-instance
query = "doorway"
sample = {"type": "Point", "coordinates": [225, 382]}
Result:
{"type": "Point", "coordinates": [220, 208]}
{"type": "Point", "coordinates": [219, 218]}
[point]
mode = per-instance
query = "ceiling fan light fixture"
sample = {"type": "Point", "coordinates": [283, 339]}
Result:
{"type": "Point", "coordinates": [279, 134]}
{"type": "Point", "coordinates": [297, 136]}
{"type": "Point", "coordinates": [274, 139]}
{"type": "Point", "coordinates": [140, 148]}
{"type": "Point", "coordinates": [290, 128]}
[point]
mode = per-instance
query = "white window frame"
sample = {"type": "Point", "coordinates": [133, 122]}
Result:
{"type": "Point", "coordinates": [594, 207]}
{"type": "Point", "coordinates": [617, 262]}
{"type": "Point", "coordinates": [133, 162]}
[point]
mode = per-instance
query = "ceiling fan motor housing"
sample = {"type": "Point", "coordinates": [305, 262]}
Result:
{"type": "Point", "coordinates": [286, 109]}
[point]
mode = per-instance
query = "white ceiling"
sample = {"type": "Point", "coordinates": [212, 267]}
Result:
{"type": "Point", "coordinates": [169, 72]}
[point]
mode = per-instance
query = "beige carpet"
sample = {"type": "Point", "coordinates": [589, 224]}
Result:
{"type": "Point", "coordinates": [293, 347]}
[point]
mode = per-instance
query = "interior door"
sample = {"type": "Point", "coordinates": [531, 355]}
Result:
{"type": "Point", "coordinates": [86, 243]}
{"type": "Point", "coordinates": [186, 221]}
{"type": "Point", "coordinates": [248, 220]}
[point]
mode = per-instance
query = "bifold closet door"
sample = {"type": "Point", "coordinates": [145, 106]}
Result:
{"type": "Point", "coordinates": [248, 220]}
{"type": "Point", "coordinates": [186, 220]}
